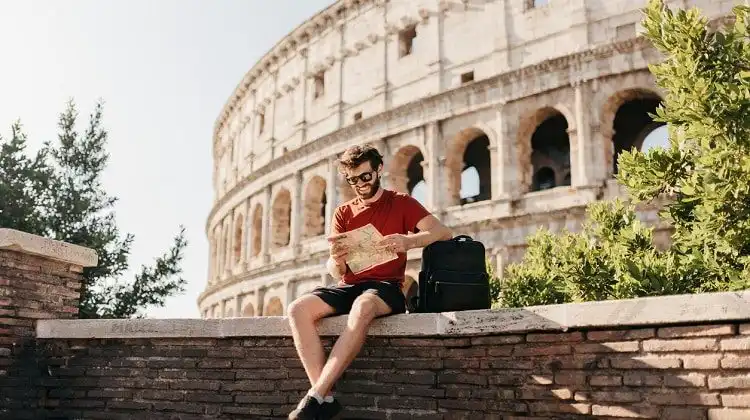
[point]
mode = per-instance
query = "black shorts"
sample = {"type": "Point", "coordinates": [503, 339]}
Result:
{"type": "Point", "coordinates": [341, 296]}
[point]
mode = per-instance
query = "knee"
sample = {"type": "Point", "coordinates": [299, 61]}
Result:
{"type": "Point", "coordinates": [296, 311]}
{"type": "Point", "coordinates": [364, 309]}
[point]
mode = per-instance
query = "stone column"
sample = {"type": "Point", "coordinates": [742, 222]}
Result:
{"type": "Point", "coordinates": [227, 245]}
{"type": "Point", "coordinates": [501, 159]}
{"type": "Point", "coordinates": [302, 95]}
{"type": "Point", "coordinates": [585, 170]}
{"type": "Point", "coordinates": [331, 193]}
{"type": "Point", "coordinates": [265, 239]}
{"type": "Point", "coordinates": [432, 173]}
{"type": "Point", "coordinates": [338, 103]}
{"type": "Point", "coordinates": [39, 279]}
{"type": "Point", "coordinates": [297, 213]}
{"type": "Point", "coordinates": [259, 292]}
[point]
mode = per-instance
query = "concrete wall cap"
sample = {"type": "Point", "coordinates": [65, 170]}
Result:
{"type": "Point", "coordinates": [662, 310]}
{"type": "Point", "coordinates": [14, 240]}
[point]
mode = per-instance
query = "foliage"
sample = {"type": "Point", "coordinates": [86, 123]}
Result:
{"type": "Point", "coordinates": [705, 172]}
{"type": "Point", "coordinates": [58, 193]}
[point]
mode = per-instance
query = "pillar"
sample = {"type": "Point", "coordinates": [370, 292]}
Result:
{"type": "Point", "coordinates": [585, 170]}
{"type": "Point", "coordinates": [501, 159]}
{"type": "Point", "coordinates": [382, 146]}
{"type": "Point", "coordinates": [331, 193]}
{"type": "Point", "coordinates": [297, 213]}
{"type": "Point", "coordinates": [40, 279]}
{"type": "Point", "coordinates": [259, 301]}
{"type": "Point", "coordinates": [432, 173]}
{"type": "Point", "coordinates": [265, 239]}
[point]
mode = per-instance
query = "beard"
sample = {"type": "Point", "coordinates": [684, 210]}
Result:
{"type": "Point", "coordinates": [368, 191]}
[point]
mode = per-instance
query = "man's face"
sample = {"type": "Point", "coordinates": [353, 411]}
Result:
{"type": "Point", "coordinates": [364, 180]}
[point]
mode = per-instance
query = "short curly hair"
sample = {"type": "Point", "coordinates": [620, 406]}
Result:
{"type": "Point", "coordinates": [359, 154]}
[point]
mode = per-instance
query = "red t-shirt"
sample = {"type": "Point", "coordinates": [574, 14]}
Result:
{"type": "Point", "coordinates": [392, 213]}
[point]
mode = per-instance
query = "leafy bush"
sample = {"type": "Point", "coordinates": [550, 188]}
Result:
{"type": "Point", "coordinates": [705, 170]}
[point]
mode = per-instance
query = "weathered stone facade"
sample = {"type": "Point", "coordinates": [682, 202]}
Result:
{"type": "Point", "coordinates": [533, 100]}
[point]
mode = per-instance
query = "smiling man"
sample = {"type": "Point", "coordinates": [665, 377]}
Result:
{"type": "Point", "coordinates": [373, 293]}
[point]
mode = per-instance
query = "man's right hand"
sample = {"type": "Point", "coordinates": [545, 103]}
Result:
{"type": "Point", "coordinates": [338, 249]}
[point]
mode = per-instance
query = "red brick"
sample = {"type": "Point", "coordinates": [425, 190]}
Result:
{"type": "Point", "coordinates": [626, 411]}
{"type": "Point", "coordinates": [729, 381]}
{"type": "Point", "coordinates": [735, 344]}
{"type": "Point", "coordinates": [645, 362]}
{"type": "Point", "coordinates": [541, 350]}
{"type": "Point", "coordinates": [497, 340]}
{"type": "Point", "coordinates": [555, 338]}
{"type": "Point", "coordinates": [608, 347]}
{"type": "Point", "coordinates": [740, 399]}
{"type": "Point", "coordinates": [605, 380]}
{"type": "Point", "coordinates": [728, 414]}
{"type": "Point", "coordinates": [689, 344]}
{"type": "Point", "coordinates": [570, 378]}
{"type": "Point", "coordinates": [539, 393]}
{"type": "Point", "coordinates": [685, 398]}
{"type": "Point", "coordinates": [685, 380]}
{"type": "Point", "coordinates": [696, 331]}
{"type": "Point", "coordinates": [736, 361]}
{"type": "Point", "coordinates": [681, 413]}
{"type": "Point", "coordinates": [704, 362]}
{"type": "Point", "coordinates": [545, 407]}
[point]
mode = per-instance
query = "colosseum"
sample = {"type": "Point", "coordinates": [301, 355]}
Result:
{"type": "Point", "coordinates": [500, 116]}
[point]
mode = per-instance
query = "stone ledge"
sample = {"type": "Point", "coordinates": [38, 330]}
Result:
{"type": "Point", "coordinates": [663, 310]}
{"type": "Point", "coordinates": [14, 240]}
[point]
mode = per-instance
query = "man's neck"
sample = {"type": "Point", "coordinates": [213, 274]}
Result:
{"type": "Point", "coordinates": [375, 197]}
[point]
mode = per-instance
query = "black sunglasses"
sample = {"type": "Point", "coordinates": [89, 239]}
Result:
{"type": "Point", "coordinates": [364, 177]}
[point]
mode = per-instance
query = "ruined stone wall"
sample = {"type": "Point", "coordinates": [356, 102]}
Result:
{"type": "Point", "coordinates": [536, 98]}
{"type": "Point", "coordinates": [682, 357]}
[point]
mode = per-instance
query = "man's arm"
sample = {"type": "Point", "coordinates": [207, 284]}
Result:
{"type": "Point", "coordinates": [430, 230]}
{"type": "Point", "coordinates": [336, 264]}
{"type": "Point", "coordinates": [335, 269]}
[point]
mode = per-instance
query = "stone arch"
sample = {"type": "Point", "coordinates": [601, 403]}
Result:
{"type": "Point", "coordinates": [544, 150]}
{"type": "Point", "coordinates": [281, 216]}
{"type": "Point", "coordinates": [257, 230]}
{"type": "Point", "coordinates": [229, 313]}
{"type": "Point", "coordinates": [405, 171]}
{"type": "Point", "coordinates": [625, 121]}
{"type": "Point", "coordinates": [248, 310]}
{"type": "Point", "coordinates": [315, 207]}
{"type": "Point", "coordinates": [239, 228]}
{"type": "Point", "coordinates": [274, 307]}
{"type": "Point", "coordinates": [468, 165]}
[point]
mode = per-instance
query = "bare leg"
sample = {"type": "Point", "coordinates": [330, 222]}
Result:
{"type": "Point", "coordinates": [366, 308]}
{"type": "Point", "coordinates": [304, 313]}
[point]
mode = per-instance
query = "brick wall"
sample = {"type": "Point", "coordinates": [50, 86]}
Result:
{"type": "Point", "coordinates": [686, 372]}
{"type": "Point", "coordinates": [39, 279]}
{"type": "Point", "coordinates": [675, 357]}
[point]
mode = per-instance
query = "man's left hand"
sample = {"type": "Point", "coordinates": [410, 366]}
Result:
{"type": "Point", "coordinates": [395, 243]}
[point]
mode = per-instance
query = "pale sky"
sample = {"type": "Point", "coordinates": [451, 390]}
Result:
{"type": "Point", "coordinates": [164, 69]}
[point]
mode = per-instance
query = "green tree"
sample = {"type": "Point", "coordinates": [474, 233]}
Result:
{"type": "Point", "coordinates": [705, 172]}
{"type": "Point", "coordinates": [59, 194]}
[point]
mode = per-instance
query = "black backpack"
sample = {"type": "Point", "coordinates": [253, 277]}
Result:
{"type": "Point", "coordinates": [453, 277]}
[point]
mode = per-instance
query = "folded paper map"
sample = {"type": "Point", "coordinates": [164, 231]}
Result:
{"type": "Point", "coordinates": [363, 252]}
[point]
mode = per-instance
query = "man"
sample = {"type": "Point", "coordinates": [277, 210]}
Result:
{"type": "Point", "coordinates": [373, 293]}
